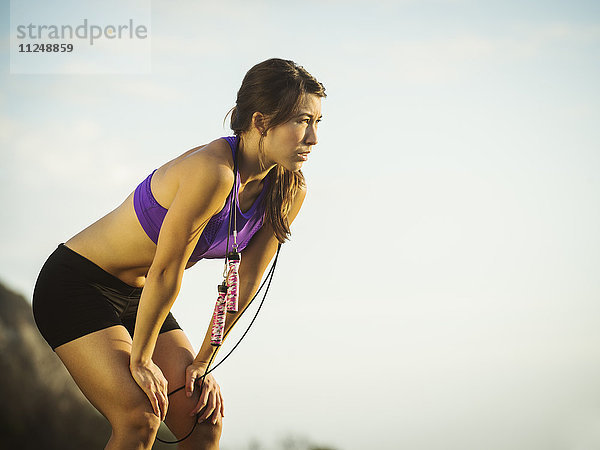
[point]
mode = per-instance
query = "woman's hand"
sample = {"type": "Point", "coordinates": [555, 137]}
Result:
{"type": "Point", "coordinates": [154, 384]}
{"type": "Point", "coordinates": [210, 397]}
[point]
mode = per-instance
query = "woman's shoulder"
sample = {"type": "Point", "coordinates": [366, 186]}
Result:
{"type": "Point", "coordinates": [212, 159]}
{"type": "Point", "coordinates": [204, 167]}
{"type": "Point", "coordinates": [218, 152]}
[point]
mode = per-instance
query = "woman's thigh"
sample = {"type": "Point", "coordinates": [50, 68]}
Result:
{"type": "Point", "coordinates": [99, 364]}
{"type": "Point", "coordinates": [173, 353]}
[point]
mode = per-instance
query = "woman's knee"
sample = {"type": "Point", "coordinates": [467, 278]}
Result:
{"type": "Point", "coordinates": [210, 432]}
{"type": "Point", "coordinates": [139, 422]}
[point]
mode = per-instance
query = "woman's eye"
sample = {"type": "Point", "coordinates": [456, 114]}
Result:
{"type": "Point", "coordinates": [308, 120]}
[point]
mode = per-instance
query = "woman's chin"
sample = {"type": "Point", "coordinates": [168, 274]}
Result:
{"type": "Point", "coordinates": [293, 167]}
{"type": "Point", "coordinates": [297, 166]}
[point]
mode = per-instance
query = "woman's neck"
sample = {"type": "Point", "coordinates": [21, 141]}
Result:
{"type": "Point", "coordinates": [249, 159]}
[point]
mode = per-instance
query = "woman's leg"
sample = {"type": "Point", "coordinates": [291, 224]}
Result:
{"type": "Point", "coordinates": [173, 353]}
{"type": "Point", "coordinates": [99, 364]}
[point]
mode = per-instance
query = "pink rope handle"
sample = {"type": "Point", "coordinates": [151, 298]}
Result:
{"type": "Point", "coordinates": [233, 282]}
{"type": "Point", "coordinates": [218, 322]}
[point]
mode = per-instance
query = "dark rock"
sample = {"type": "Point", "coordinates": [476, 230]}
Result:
{"type": "Point", "coordinates": [42, 408]}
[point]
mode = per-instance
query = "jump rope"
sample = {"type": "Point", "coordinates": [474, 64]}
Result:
{"type": "Point", "coordinates": [228, 296]}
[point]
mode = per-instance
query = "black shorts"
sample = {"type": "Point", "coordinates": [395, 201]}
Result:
{"type": "Point", "coordinates": [74, 297]}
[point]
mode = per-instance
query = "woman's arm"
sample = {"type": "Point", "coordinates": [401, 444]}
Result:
{"type": "Point", "coordinates": [255, 259]}
{"type": "Point", "coordinates": [197, 199]}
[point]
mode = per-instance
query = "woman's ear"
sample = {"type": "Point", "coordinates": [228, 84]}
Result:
{"type": "Point", "coordinates": [259, 121]}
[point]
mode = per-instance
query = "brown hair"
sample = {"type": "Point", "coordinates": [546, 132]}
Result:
{"type": "Point", "coordinates": [275, 88]}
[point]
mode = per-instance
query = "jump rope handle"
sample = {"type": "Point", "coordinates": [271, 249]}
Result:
{"type": "Point", "coordinates": [218, 321]}
{"type": "Point", "coordinates": [233, 281]}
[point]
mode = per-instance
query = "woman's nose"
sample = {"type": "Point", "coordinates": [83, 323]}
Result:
{"type": "Point", "coordinates": [311, 135]}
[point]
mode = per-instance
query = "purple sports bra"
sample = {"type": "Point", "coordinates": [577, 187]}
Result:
{"type": "Point", "coordinates": [213, 240]}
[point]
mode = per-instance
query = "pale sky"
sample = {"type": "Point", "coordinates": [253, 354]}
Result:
{"type": "Point", "coordinates": [441, 290]}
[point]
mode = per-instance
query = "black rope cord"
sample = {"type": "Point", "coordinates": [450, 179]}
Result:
{"type": "Point", "coordinates": [269, 277]}
{"type": "Point", "coordinates": [232, 208]}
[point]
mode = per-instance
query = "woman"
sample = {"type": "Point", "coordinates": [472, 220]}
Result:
{"type": "Point", "coordinates": [102, 299]}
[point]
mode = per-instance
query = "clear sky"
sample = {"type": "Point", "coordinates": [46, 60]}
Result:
{"type": "Point", "coordinates": [441, 290]}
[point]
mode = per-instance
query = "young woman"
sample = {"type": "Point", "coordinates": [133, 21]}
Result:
{"type": "Point", "coordinates": [102, 299]}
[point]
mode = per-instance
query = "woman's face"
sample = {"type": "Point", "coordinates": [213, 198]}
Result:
{"type": "Point", "coordinates": [290, 143]}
